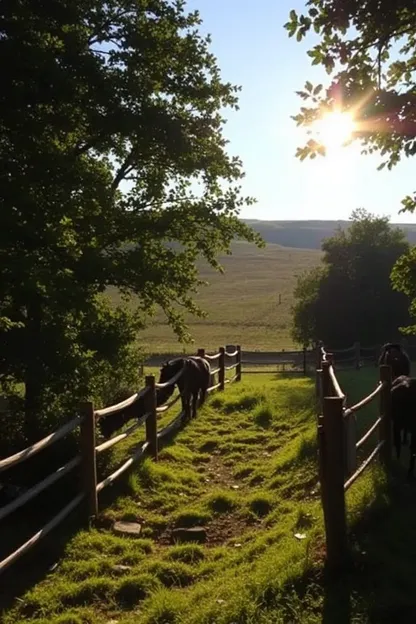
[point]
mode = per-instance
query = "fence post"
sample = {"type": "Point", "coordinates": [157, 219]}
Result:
{"type": "Point", "coordinates": [89, 464]}
{"type": "Point", "coordinates": [200, 353]}
{"type": "Point", "coordinates": [151, 420]}
{"type": "Point", "coordinates": [221, 365]}
{"type": "Point", "coordinates": [326, 380]}
{"type": "Point", "coordinates": [357, 355]}
{"type": "Point", "coordinates": [238, 367]}
{"type": "Point", "coordinates": [319, 393]}
{"type": "Point", "coordinates": [332, 487]}
{"type": "Point", "coordinates": [318, 368]}
{"type": "Point", "coordinates": [385, 413]}
{"type": "Point", "coordinates": [304, 360]}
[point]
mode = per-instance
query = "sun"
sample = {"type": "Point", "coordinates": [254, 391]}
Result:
{"type": "Point", "coordinates": [333, 129]}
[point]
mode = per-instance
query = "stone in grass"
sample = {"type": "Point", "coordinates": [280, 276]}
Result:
{"type": "Point", "coordinates": [119, 567]}
{"type": "Point", "coordinates": [194, 534]}
{"type": "Point", "coordinates": [132, 529]}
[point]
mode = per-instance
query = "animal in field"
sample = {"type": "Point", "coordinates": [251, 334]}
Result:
{"type": "Point", "coordinates": [192, 384]}
{"type": "Point", "coordinates": [393, 355]}
{"type": "Point", "coordinates": [111, 423]}
{"type": "Point", "coordinates": [403, 409]}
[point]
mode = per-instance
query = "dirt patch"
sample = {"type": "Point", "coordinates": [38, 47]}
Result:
{"type": "Point", "coordinates": [219, 474]}
{"type": "Point", "coordinates": [226, 527]}
{"type": "Point", "coordinates": [219, 530]}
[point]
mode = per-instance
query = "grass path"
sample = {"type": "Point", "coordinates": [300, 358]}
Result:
{"type": "Point", "coordinates": [245, 470]}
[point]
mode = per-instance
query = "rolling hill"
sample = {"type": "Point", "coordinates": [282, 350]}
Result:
{"type": "Point", "coordinates": [243, 303]}
{"type": "Point", "coordinates": [309, 234]}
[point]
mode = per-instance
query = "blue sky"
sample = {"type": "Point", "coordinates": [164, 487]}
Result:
{"type": "Point", "coordinates": [254, 51]}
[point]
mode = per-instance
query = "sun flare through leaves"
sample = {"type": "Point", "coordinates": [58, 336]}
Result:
{"type": "Point", "coordinates": [333, 130]}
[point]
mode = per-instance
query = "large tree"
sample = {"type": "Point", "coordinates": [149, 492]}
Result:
{"type": "Point", "coordinates": [111, 147]}
{"type": "Point", "coordinates": [349, 297]}
{"type": "Point", "coordinates": [368, 47]}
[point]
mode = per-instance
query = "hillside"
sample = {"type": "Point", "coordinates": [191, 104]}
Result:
{"type": "Point", "coordinates": [308, 234]}
{"type": "Point", "coordinates": [243, 303]}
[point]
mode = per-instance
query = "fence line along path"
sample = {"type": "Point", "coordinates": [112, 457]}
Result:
{"type": "Point", "coordinates": [338, 445]}
{"type": "Point", "coordinates": [86, 423]}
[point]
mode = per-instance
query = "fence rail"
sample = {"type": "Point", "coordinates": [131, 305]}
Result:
{"type": "Point", "coordinates": [86, 422]}
{"type": "Point", "coordinates": [336, 434]}
{"type": "Point", "coordinates": [338, 445]}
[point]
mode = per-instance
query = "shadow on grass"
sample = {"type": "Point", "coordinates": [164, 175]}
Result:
{"type": "Point", "coordinates": [41, 560]}
{"type": "Point", "coordinates": [38, 563]}
{"type": "Point", "coordinates": [379, 587]}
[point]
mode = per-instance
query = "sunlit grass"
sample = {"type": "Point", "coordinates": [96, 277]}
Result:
{"type": "Point", "coordinates": [246, 470]}
{"type": "Point", "coordinates": [242, 304]}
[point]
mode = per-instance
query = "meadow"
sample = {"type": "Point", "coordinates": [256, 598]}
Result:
{"type": "Point", "coordinates": [242, 304]}
{"type": "Point", "coordinates": [245, 469]}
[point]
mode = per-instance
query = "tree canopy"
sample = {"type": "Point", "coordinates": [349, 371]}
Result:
{"type": "Point", "coordinates": [350, 297]}
{"type": "Point", "coordinates": [111, 147]}
{"type": "Point", "coordinates": [369, 50]}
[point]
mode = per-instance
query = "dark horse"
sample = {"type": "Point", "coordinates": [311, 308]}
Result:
{"type": "Point", "coordinates": [192, 383]}
{"type": "Point", "coordinates": [112, 422]}
{"type": "Point", "coordinates": [403, 408]}
{"type": "Point", "coordinates": [396, 357]}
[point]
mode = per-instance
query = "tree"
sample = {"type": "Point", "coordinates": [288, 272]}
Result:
{"type": "Point", "coordinates": [368, 48]}
{"type": "Point", "coordinates": [109, 121]}
{"type": "Point", "coordinates": [350, 298]}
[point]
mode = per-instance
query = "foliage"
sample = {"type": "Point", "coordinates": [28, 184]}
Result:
{"type": "Point", "coordinates": [350, 297]}
{"type": "Point", "coordinates": [111, 148]}
{"type": "Point", "coordinates": [369, 50]}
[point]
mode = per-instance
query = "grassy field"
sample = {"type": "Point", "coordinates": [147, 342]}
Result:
{"type": "Point", "coordinates": [246, 470]}
{"type": "Point", "coordinates": [242, 304]}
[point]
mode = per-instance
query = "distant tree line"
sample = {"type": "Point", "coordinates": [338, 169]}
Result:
{"type": "Point", "coordinates": [350, 296]}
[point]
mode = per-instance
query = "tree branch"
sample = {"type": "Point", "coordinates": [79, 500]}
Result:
{"type": "Point", "coordinates": [95, 37]}
{"type": "Point", "coordinates": [124, 169]}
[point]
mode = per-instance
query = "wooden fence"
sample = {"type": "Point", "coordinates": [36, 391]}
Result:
{"type": "Point", "coordinates": [304, 362]}
{"type": "Point", "coordinates": [280, 361]}
{"type": "Point", "coordinates": [338, 445]}
{"type": "Point", "coordinates": [87, 459]}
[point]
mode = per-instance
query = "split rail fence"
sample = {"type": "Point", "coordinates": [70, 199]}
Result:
{"type": "Point", "coordinates": [89, 450]}
{"type": "Point", "coordinates": [338, 446]}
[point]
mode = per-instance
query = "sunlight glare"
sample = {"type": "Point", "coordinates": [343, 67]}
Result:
{"type": "Point", "coordinates": [333, 129]}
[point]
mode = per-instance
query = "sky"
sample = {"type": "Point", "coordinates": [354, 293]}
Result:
{"type": "Point", "coordinates": [253, 50]}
